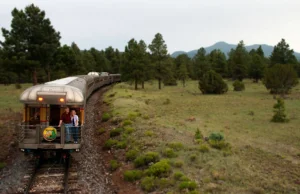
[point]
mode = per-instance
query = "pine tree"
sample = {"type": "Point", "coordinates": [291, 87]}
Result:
{"type": "Point", "coordinates": [201, 63]}
{"type": "Point", "coordinates": [239, 58]}
{"type": "Point", "coordinates": [159, 53]}
{"type": "Point", "coordinates": [279, 112]}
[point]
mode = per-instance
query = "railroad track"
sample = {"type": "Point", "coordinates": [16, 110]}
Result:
{"type": "Point", "coordinates": [55, 177]}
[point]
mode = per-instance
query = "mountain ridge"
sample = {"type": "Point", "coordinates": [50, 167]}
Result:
{"type": "Point", "coordinates": [226, 47]}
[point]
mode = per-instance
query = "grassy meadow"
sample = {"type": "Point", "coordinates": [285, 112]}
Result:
{"type": "Point", "coordinates": [264, 157]}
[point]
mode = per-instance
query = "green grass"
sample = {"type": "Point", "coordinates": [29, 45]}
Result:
{"type": "Point", "coordinates": [263, 155]}
{"type": "Point", "coordinates": [9, 98]}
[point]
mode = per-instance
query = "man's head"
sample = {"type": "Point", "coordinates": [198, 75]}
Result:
{"type": "Point", "coordinates": [67, 110]}
{"type": "Point", "coordinates": [73, 112]}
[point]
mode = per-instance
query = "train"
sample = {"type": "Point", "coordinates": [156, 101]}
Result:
{"type": "Point", "coordinates": [44, 105]}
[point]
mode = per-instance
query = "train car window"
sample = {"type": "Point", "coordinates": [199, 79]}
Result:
{"type": "Point", "coordinates": [34, 115]}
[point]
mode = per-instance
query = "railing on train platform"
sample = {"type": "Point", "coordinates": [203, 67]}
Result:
{"type": "Point", "coordinates": [33, 134]}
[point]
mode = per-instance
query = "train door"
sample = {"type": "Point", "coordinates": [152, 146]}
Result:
{"type": "Point", "coordinates": [54, 115]}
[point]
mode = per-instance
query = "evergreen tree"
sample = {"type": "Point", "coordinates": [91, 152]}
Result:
{"type": "Point", "coordinates": [212, 83]}
{"type": "Point", "coordinates": [239, 61]}
{"type": "Point", "coordinates": [282, 54]}
{"type": "Point", "coordinates": [159, 54]}
{"type": "Point", "coordinates": [32, 40]}
{"type": "Point", "coordinates": [279, 112]}
{"type": "Point", "coordinates": [201, 63]}
{"type": "Point", "coordinates": [280, 79]}
{"type": "Point", "coordinates": [218, 62]}
{"type": "Point", "coordinates": [182, 62]}
{"type": "Point", "coordinates": [257, 67]}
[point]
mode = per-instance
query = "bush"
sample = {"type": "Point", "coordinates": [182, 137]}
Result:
{"type": "Point", "coordinates": [203, 148]}
{"type": "Point", "coordinates": [198, 134]}
{"type": "Point", "coordinates": [175, 145]}
{"type": "Point", "coordinates": [216, 136]}
{"type": "Point", "coordinates": [167, 101]}
{"type": "Point", "coordinates": [279, 110]}
{"type": "Point", "coordinates": [133, 175]}
{"type": "Point", "coordinates": [18, 86]}
{"type": "Point", "coordinates": [219, 144]}
{"type": "Point", "coordinates": [129, 130]}
{"type": "Point", "coordinates": [280, 79]}
{"type": "Point", "coordinates": [238, 85]}
{"type": "Point", "coordinates": [110, 143]}
{"type": "Point", "coordinates": [116, 132]}
{"type": "Point", "coordinates": [144, 160]}
{"type": "Point", "coordinates": [105, 117]}
{"type": "Point", "coordinates": [168, 152]}
{"type": "Point", "coordinates": [178, 175]}
{"type": "Point", "coordinates": [148, 184]}
{"type": "Point", "coordinates": [121, 145]}
{"type": "Point", "coordinates": [190, 185]}
{"type": "Point", "coordinates": [127, 122]}
{"type": "Point", "coordinates": [101, 131]}
{"type": "Point", "coordinates": [149, 133]}
{"type": "Point", "coordinates": [131, 155]}
{"type": "Point", "coordinates": [212, 83]}
{"type": "Point", "coordinates": [2, 165]}
{"type": "Point", "coordinates": [114, 165]}
{"type": "Point", "coordinates": [193, 157]}
{"type": "Point", "coordinates": [159, 169]}
{"type": "Point", "coordinates": [178, 163]}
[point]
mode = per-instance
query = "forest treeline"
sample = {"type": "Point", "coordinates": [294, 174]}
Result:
{"type": "Point", "coordinates": [31, 52]}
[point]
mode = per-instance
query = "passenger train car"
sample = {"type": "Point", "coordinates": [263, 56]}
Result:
{"type": "Point", "coordinates": [44, 104]}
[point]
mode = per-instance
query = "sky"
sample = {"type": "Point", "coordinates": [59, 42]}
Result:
{"type": "Point", "coordinates": [185, 24]}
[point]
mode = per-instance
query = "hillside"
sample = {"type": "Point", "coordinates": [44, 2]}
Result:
{"type": "Point", "coordinates": [225, 48]}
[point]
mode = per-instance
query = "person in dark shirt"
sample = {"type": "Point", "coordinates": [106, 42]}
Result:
{"type": "Point", "coordinates": [66, 119]}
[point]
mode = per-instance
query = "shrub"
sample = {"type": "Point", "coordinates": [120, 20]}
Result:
{"type": "Point", "coordinates": [148, 184]}
{"type": "Point", "coordinates": [238, 85]}
{"type": "Point", "coordinates": [121, 145]}
{"type": "Point", "coordinates": [178, 175]}
{"type": "Point", "coordinates": [133, 175]}
{"type": "Point", "coordinates": [146, 159]}
{"type": "Point", "coordinates": [163, 183]}
{"type": "Point", "coordinates": [129, 130]}
{"type": "Point", "coordinates": [167, 101]}
{"type": "Point", "coordinates": [198, 134]}
{"type": "Point", "coordinates": [132, 116]}
{"type": "Point", "coordinates": [175, 145]}
{"type": "Point", "coordinates": [168, 152]}
{"type": "Point", "coordinates": [114, 165]}
{"type": "Point", "coordinates": [161, 168]}
{"type": "Point", "coordinates": [280, 79]}
{"type": "Point", "coordinates": [2, 165]}
{"type": "Point", "coordinates": [190, 185]}
{"type": "Point", "coordinates": [212, 83]}
{"type": "Point", "coordinates": [178, 163]}
{"type": "Point", "coordinates": [105, 117]}
{"type": "Point", "coordinates": [131, 155]}
{"type": "Point", "coordinates": [101, 130]}
{"type": "Point", "coordinates": [18, 86]}
{"type": "Point", "coordinates": [216, 136]}
{"type": "Point", "coordinates": [193, 157]}
{"type": "Point", "coordinates": [116, 132]}
{"type": "Point", "coordinates": [110, 143]}
{"type": "Point", "coordinates": [127, 122]}
{"type": "Point", "coordinates": [149, 133]}
{"type": "Point", "coordinates": [219, 144]}
{"type": "Point", "coordinates": [279, 110]}
{"type": "Point", "coordinates": [203, 148]}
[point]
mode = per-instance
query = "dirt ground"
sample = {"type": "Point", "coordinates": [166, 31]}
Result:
{"type": "Point", "coordinates": [92, 161]}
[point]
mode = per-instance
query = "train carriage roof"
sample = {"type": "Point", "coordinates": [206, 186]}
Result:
{"type": "Point", "coordinates": [72, 87]}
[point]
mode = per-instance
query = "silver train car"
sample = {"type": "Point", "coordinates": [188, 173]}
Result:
{"type": "Point", "coordinates": [44, 104]}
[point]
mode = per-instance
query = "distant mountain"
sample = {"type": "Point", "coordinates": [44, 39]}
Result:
{"type": "Point", "coordinates": [225, 48]}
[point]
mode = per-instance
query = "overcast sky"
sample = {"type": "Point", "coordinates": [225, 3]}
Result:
{"type": "Point", "coordinates": [185, 24]}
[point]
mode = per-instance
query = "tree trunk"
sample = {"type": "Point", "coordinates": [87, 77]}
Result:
{"type": "Point", "coordinates": [135, 83]}
{"type": "Point", "coordinates": [143, 85]}
{"type": "Point", "coordinates": [48, 75]}
{"type": "Point", "coordinates": [34, 78]}
{"type": "Point", "coordinates": [159, 83]}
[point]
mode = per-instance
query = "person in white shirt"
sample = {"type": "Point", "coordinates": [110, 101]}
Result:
{"type": "Point", "coordinates": [75, 122]}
